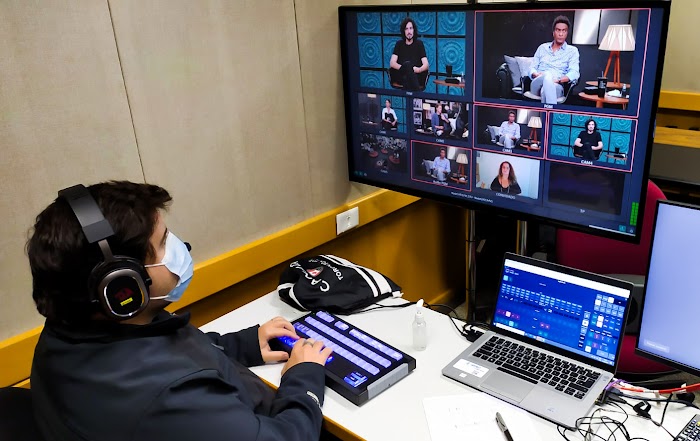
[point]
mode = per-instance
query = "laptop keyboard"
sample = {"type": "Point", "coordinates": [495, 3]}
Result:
{"type": "Point", "coordinates": [537, 366]}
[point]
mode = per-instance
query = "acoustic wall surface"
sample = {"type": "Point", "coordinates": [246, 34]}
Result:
{"type": "Point", "coordinates": [64, 118]}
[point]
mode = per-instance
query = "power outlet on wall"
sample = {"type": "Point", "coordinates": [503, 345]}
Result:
{"type": "Point", "coordinates": [347, 220]}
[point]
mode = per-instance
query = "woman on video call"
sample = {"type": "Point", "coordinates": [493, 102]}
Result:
{"type": "Point", "coordinates": [589, 141]}
{"type": "Point", "coordinates": [506, 182]}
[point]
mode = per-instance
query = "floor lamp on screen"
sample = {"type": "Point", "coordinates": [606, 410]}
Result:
{"type": "Point", "coordinates": [617, 38]}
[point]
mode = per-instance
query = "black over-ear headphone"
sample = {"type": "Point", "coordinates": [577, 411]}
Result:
{"type": "Point", "coordinates": [119, 283]}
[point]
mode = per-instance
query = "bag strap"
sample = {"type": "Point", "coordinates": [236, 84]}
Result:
{"type": "Point", "coordinates": [376, 281]}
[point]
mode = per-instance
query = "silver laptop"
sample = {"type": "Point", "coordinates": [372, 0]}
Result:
{"type": "Point", "coordinates": [554, 342]}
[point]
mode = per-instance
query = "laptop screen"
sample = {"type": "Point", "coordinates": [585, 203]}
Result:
{"type": "Point", "coordinates": [573, 312]}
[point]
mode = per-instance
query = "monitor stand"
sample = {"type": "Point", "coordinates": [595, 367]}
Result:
{"type": "Point", "coordinates": [473, 249]}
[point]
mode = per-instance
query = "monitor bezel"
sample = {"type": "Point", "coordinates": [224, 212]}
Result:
{"type": "Point", "coordinates": [520, 215]}
{"type": "Point", "coordinates": [637, 350]}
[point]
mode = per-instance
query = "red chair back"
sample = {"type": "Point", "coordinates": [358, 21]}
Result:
{"type": "Point", "coordinates": [608, 256]}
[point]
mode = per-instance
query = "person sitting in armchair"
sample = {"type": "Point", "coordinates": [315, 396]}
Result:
{"type": "Point", "coordinates": [554, 64]}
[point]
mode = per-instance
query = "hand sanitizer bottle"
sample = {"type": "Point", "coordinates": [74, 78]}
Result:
{"type": "Point", "coordinates": [420, 331]}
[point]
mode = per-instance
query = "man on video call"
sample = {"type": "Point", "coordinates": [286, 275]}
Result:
{"type": "Point", "coordinates": [441, 167]}
{"type": "Point", "coordinates": [409, 59]}
{"type": "Point", "coordinates": [151, 375]}
{"type": "Point", "coordinates": [439, 122]}
{"type": "Point", "coordinates": [554, 64]}
{"type": "Point", "coordinates": [509, 131]}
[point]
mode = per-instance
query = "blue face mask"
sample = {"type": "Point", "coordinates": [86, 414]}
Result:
{"type": "Point", "coordinates": [177, 260]}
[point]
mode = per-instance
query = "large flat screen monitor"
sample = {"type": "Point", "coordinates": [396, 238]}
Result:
{"type": "Point", "coordinates": [544, 110]}
{"type": "Point", "coordinates": [671, 301]}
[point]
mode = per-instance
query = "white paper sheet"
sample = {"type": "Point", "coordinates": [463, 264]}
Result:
{"type": "Point", "coordinates": [473, 417]}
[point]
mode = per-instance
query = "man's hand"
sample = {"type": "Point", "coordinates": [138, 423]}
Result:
{"type": "Point", "coordinates": [307, 350]}
{"type": "Point", "coordinates": [277, 327]}
{"type": "Point", "coordinates": [416, 69]}
{"type": "Point", "coordinates": [536, 74]}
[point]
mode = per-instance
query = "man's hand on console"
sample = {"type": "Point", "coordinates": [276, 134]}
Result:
{"type": "Point", "coordinates": [277, 327]}
{"type": "Point", "coordinates": [307, 350]}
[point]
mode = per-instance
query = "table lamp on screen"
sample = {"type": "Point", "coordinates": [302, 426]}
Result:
{"type": "Point", "coordinates": [617, 38]}
{"type": "Point", "coordinates": [534, 123]}
{"type": "Point", "coordinates": [462, 161]}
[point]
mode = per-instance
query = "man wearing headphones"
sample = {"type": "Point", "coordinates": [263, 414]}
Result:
{"type": "Point", "coordinates": [111, 364]}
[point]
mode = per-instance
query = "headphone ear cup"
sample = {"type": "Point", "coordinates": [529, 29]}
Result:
{"type": "Point", "coordinates": [121, 286]}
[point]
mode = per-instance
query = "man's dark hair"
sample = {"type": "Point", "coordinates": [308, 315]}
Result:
{"type": "Point", "coordinates": [511, 112]}
{"type": "Point", "coordinates": [404, 23]}
{"type": "Point", "coordinates": [443, 149]}
{"type": "Point", "coordinates": [561, 19]}
{"type": "Point", "coordinates": [61, 258]}
{"type": "Point", "coordinates": [595, 124]}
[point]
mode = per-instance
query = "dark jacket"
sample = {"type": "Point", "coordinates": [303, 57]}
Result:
{"type": "Point", "coordinates": [166, 381]}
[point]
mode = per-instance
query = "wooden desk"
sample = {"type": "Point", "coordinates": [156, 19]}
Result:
{"type": "Point", "coordinates": [599, 101]}
{"type": "Point", "coordinates": [397, 413]}
{"type": "Point", "coordinates": [617, 156]}
{"type": "Point", "coordinates": [611, 84]}
{"type": "Point", "coordinates": [464, 180]}
{"type": "Point", "coordinates": [448, 85]}
{"type": "Point", "coordinates": [530, 148]}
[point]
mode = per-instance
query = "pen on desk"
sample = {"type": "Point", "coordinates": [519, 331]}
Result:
{"type": "Point", "coordinates": [503, 427]}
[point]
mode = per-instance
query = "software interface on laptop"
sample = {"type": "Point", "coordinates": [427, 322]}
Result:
{"type": "Point", "coordinates": [579, 315]}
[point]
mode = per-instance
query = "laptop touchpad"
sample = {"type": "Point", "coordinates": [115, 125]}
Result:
{"type": "Point", "coordinates": [507, 386]}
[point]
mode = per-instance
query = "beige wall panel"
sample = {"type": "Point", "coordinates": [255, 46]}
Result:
{"type": "Point", "coordinates": [319, 53]}
{"type": "Point", "coordinates": [682, 56]}
{"type": "Point", "coordinates": [215, 93]}
{"type": "Point", "coordinates": [64, 119]}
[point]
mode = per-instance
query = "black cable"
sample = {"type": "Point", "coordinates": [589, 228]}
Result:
{"type": "Point", "coordinates": [470, 334]}
{"type": "Point", "coordinates": [658, 424]}
{"type": "Point", "coordinates": [584, 426]}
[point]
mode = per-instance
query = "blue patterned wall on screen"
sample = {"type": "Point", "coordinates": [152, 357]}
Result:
{"type": "Point", "coordinates": [560, 150]}
{"type": "Point", "coordinates": [370, 51]}
{"type": "Point", "coordinates": [619, 140]}
{"type": "Point", "coordinates": [425, 22]}
{"type": "Point", "coordinates": [622, 125]}
{"type": "Point", "coordinates": [401, 115]}
{"type": "Point", "coordinates": [397, 102]}
{"type": "Point", "coordinates": [368, 23]}
{"type": "Point", "coordinates": [369, 78]}
{"type": "Point", "coordinates": [391, 22]}
{"type": "Point", "coordinates": [452, 23]}
{"type": "Point", "coordinates": [575, 131]}
{"type": "Point", "coordinates": [430, 87]}
{"type": "Point", "coordinates": [579, 120]}
{"type": "Point", "coordinates": [389, 43]}
{"type": "Point", "coordinates": [430, 48]}
{"type": "Point", "coordinates": [451, 51]}
{"type": "Point", "coordinates": [602, 123]}
{"type": "Point", "coordinates": [561, 118]}
{"type": "Point", "coordinates": [560, 135]}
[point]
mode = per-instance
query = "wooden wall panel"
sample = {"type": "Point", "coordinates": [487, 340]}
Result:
{"type": "Point", "coordinates": [64, 119]}
{"type": "Point", "coordinates": [215, 93]}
